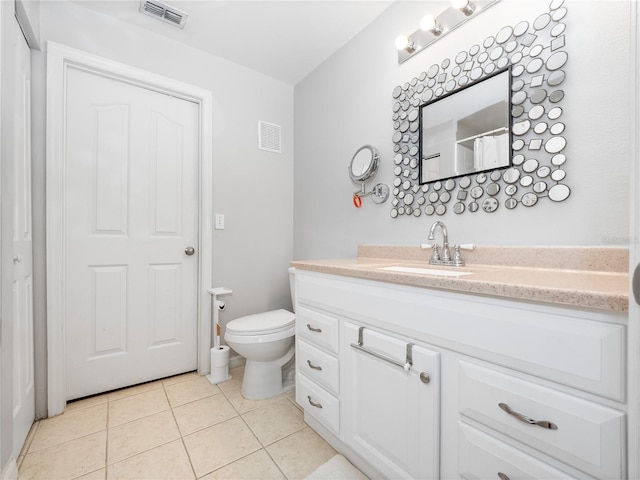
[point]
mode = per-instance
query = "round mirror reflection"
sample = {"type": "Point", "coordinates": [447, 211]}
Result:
{"type": "Point", "coordinates": [511, 175]}
{"type": "Point", "coordinates": [529, 199]}
{"type": "Point", "coordinates": [539, 187]}
{"type": "Point", "coordinates": [557, 60]}
{"type": "Point", "coordinates": [556, 78]}
{"type": "Point", "coordinates": [554, 113]}
{"type": "Point", "coordinates": [477, 192]}
{"type": "Point", "coordinates": [558, 175]}
{"type": "Point", "coordinates": [559, 192]}
{"type": "Point", "coordinates": [490, 205]}
{"type": "Point", "coordinates": [526, 181]}
{"type": "Point", "coordinates": [542, 21]}
{"type": "Point", "coordinates": [540, 128]}
{"type": "Point", "coordinates": [504, 34]}
{"type": "Point", "coordinates": [555, 145]}
{"type": "Point", "coordinates": [493, 189]}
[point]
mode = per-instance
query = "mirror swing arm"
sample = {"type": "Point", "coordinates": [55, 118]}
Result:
{"type": "Point", "coordinates": [363, 167]}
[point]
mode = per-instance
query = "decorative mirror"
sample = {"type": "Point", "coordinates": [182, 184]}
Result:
{"type": "Point", "coordinates": [531, 59]}
{"type": "Point", "coordinates": [467, 131]}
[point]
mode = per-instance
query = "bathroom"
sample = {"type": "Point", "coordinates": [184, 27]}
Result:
{"type": "Point", "coordinates": [297, 205]}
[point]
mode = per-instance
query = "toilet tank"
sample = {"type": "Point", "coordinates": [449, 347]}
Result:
{"type": "Point", "coordinates": [292, 286]}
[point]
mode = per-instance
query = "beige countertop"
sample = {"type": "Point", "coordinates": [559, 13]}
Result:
{"type": "Point", "coordinates": [589, 277]}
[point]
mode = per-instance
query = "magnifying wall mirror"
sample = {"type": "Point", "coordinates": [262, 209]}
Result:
{"type": "Point", "coordinates": [467, 131]}
{"type": "Point", "coordinates": [364, 164]}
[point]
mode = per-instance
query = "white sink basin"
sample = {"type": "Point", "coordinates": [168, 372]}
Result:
{"type": "Point", "coordinates": [426, 271]}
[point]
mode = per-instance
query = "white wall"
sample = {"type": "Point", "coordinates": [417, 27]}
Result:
{"type": "Point", "coordinates": [253, 188]}
{"type": "Point", "coordinates": [347, 102]}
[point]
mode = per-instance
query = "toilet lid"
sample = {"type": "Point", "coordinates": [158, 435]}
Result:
{"type": "Point", "coordinates": [266, 322]}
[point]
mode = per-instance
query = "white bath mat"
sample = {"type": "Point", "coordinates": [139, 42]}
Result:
{"type": "Point", "coordinates": [337, 468]}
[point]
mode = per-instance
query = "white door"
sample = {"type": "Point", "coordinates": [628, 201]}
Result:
{"type": "Point", "coordinates": [131, 210]}
{"type": "Point", "coordinates": [23, 381]}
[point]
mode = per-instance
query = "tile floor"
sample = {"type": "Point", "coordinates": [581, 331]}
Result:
{"type": "Point", "coordinates": [177, 428]}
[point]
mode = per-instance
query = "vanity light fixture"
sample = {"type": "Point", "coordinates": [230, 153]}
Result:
{"type": "Point", "coordinates": [429, 23]}
{"type": "Point", "coordinates": [465, 6]}
{"type": "Point", "coordinates": [432, 28]}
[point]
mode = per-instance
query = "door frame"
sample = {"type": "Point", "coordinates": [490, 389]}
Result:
{"type": "Point", "coordinates": [59, 60]}
{"type": "Point", "coordinates": [633, 342]}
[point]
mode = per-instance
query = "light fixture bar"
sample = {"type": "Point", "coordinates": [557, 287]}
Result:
{"type": "Point", "coordinates": [447, 21]}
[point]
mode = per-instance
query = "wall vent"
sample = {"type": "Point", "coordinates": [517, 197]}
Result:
{"type": "Point", "coordinates": [269, 137]}
{"type": "Point", "coordinates": [164, 12]}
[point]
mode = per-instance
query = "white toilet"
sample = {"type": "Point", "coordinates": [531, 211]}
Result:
{"type": "Point", "coordinates": [266, 340]}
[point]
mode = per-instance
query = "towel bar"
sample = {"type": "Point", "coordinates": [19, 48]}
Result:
{"type": "Point", "coordinates": [409, 355]}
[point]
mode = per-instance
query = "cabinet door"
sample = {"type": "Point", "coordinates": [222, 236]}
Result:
{"type": "Point", "coordinates": [391, 414]}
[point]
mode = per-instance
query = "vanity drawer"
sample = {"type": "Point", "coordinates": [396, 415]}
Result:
{"type": "Point", "coordinates": [589, 436]}
{"type": "Point", "coordinates": [317, 328]}
{"type": "Point", "coordinates": [318, 402]}
{"type": "Point", "coordinates": [482, 456]}
{"type": "Point", "coordinates": [318, 366]}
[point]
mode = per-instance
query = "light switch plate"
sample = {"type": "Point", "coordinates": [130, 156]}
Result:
{"type": "Point", "coordinates": [219, 225]}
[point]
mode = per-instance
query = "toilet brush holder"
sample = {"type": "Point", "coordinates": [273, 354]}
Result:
{"type": "Point", "coordinates": [219, 365]}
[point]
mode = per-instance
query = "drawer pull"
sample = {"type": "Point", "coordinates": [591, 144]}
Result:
{"type": "Point", "coordinates": [312, 403]}
{"type": "Point", "coordinates": [502, 476]}
{"type": "Point", "coordinates": [315, 367]}
{"type": "Point", "coordinates": [317, 330]}
{"type": "Point", "coordinates": [525, 419]}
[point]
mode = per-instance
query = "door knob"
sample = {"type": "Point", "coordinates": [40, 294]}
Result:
{"type": "Point", "coordinates": [17, 258]}
{"type": "Point", "coordinates": [189, 251]}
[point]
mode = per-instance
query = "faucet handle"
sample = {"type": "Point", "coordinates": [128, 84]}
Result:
{"type": "Point", "coordinates": [435, 256]}
{"type": "Point", "coordinates": [425, 246]}
{"type": "Point", "coordinates": [465, 246]}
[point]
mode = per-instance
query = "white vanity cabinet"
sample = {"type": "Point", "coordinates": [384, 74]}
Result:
{"type": "Point", "coordinates": [517, 390]}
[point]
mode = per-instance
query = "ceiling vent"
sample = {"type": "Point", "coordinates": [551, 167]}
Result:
{"type": "Point", "coordinates": [269, 137]}
{"type": "Point", "coordinates": [164, 12]}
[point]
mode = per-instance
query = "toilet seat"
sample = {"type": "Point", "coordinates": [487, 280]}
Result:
{"type": "Point", "coordinates": [265, 323]}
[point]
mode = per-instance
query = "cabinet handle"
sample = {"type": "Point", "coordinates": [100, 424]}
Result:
{"type": "Point", "coordinates": [315, 367]}
{"type": "Point", "coordinates": [313, 404]}
{"type": "Point", "coordinates": [525, 419]}
{"type": "Point", "coordinates": [318, 330]}
{"type": "Point", "coordinates": [502, 476]}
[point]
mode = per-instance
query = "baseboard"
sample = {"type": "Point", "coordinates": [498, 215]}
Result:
{"type": "Point", "coordinates": [236, 361]}
{"type": "Point", "coordinates": [11, 471]}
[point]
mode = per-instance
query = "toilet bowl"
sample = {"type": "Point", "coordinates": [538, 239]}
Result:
{"type": "Point", "coordinates": [266, 340]}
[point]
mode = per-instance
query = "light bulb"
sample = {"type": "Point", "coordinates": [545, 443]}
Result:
{"type": "Point", "coordinates": [465, 6]}
{"type": "Point", "coordinates": [404, 43]}
{"type": "Point", "coordinates": [430, 24]}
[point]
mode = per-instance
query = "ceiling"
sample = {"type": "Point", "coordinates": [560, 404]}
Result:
{"type": "Point", "coordinates": [283, 39]}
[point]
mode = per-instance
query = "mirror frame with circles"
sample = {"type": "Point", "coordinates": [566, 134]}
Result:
{"type": "Point", "coordinates": [535, 51]}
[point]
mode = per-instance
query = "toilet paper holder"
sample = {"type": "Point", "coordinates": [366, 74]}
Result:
{"type": "Point", "coordinates": [219, 354]}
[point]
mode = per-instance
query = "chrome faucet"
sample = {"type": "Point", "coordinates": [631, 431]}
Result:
{"type": "Point", "coordinates": [438, 258]}
{"type": "Point", "coordinates": [444, 257]}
